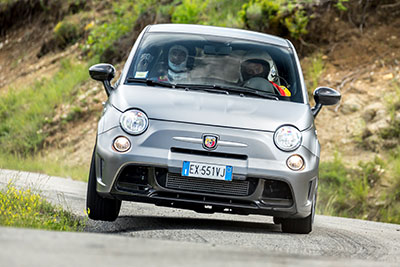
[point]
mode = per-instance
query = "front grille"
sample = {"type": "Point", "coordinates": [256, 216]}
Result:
{"type": "Point", "coordinates": [233, 188]}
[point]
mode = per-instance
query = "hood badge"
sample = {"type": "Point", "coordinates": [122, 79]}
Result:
{"type": "Point", "coordinates": [210, 141]}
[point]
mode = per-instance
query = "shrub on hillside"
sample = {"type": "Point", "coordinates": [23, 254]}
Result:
{"type": "Point", "coordinates": [189, 11]}
{"type": "Point", "coordinates": [104, 35]}
{"type": "Point", "coordinates": [65, 33]}
{"type": "Point", "coordinates": [276, 17]}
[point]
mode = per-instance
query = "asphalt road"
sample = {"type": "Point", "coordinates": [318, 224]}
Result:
{"type": "Point", "coordinates": [149, 235]}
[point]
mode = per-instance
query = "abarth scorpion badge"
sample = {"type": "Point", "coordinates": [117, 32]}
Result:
{"type": "Point", "coordinates": [210, 141]}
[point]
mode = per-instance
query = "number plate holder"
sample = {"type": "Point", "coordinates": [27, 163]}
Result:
{"type": "Point", "coordinates": [208, 171]}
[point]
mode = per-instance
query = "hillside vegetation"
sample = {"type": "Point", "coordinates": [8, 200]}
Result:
{"type": "Point", "coordinates": [49, 107]}
{"type": "Point", "coordinates": [26, 208]}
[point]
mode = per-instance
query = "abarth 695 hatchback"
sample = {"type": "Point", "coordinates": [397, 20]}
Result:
{"type": "Point", "coordinates": [209, 119]}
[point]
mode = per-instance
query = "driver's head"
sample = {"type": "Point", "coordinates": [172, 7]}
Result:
{"type": "Point", "coordinates": [254, 68]}
{"type": "Point", "coordinates": [177, 58]}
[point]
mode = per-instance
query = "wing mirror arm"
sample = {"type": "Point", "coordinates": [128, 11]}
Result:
{"type": "Point", "coordinates": [324, 96]}
{"type": "Point", "coordinates": [316, 109]}
{"type": "Point", "coordinates": [108, 87]}
{"type": "Point", "coordinates": [104, 73]}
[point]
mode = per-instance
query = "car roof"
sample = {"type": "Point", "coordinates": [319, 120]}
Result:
{"type": "Point", "coordinates": [219, 31]}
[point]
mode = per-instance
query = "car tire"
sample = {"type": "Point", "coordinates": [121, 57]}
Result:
{"type": "Point", "coordinates": [97, 207]}
{"type": "Point", "coordinates": [302, 225]}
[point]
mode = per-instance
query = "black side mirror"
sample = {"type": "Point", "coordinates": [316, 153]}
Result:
{"type": "Point", "coordinates": [324, 96]}
{"type": "Point", "coordinates": [104, 73]}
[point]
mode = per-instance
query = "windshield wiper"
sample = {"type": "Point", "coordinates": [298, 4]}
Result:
{"type": "Point", "coordinates": [151, 82]}
{"type": "Point", "coordinates": [228, 89]}
{"type": "Point", "coordinates": [214, 88]}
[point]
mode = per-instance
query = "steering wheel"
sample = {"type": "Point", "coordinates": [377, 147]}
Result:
{"type": "Point", "coordinates": [261, 84]}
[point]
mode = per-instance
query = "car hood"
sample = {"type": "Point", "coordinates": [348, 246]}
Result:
{"type": "Point", "coordinates": [206, 108]}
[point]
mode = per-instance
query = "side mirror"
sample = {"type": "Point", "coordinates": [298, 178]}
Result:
{"type": "Point", "coordinates": [324, 96]}
{"type": "Point", "coordinates": [104, 73]}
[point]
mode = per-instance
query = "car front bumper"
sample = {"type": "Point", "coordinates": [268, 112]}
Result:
{"type": "Point", "coordinates": [156, 158]}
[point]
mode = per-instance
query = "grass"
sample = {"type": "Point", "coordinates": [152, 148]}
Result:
{"type": "Point", "coordinates": [390, 212]}
{"type": "Point", "coordinates": [344, 191]}
{"type": "Point", "coordinates": [393, 106]}
{"type": "Point", "coordinates": [23, 112]}
{"type": "Point", "coordinates": [361, 192]}
{"type": "Point", "coordinates": [40, 164]}
{"type": "Point", "coordinates": [24, 208]}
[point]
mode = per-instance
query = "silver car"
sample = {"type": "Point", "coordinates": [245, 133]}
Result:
{"type": "Point", "coordinates": [209, 119]}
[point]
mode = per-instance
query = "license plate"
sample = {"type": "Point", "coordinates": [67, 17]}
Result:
{"type": "Point", "coordinates": [209, 171]}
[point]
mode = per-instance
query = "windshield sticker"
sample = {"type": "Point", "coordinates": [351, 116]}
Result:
{"type": "Point", "coordinates": [141, 74]}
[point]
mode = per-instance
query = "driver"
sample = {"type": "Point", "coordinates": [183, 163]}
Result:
{"type": "Point", "coordinates": [254, 67]}
{"type": "Point", "coordinates": [177, 64]}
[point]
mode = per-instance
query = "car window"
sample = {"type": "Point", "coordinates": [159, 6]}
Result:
{"type": "Point", "coordinates": [178, 58]}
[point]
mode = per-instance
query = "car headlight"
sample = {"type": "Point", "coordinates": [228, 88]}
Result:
{"type": "Point", "coordinates": [134, 121]}
{"type": "Point", "coordinates": [287, 138]}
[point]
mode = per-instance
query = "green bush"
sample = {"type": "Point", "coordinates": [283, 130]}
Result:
{"type": "Point", "coordinates": [117, 24]}
{"type": "Point", "coordinates": [277, 17]}
{"type": "Point", "coordinates": [210, 12]}
{"type": "Point", "coordinates": [260, 15]}
{"type": "Point", "coordinates": [297, 24]}
{"type": "Point", "coordinates": [340, 5]}
{"type": "Point", "coordinates": [189, 11]}
{"type": "Point", "coordinates": [65, 33]}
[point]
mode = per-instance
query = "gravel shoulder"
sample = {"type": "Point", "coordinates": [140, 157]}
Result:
{"type": "Point", "coordinates": [146, 234]}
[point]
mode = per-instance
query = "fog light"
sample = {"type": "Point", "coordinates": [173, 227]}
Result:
{"type": "Point", "coordinates": [295, 162]}
{"type": "Point", "coordinates": [122, 144]}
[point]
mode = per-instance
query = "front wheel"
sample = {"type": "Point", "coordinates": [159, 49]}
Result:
{"type": "Point", "coordinates": [302, 225]}
{"type": "Point", "coordinates": [97, 207]}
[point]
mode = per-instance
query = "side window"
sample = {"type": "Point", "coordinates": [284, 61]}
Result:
{"type": "Point", "coordinates": [147, 61]}
{"type": "Point", "coordinates": [144, 62]}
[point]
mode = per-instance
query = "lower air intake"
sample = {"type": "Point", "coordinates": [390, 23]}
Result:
{"type": "Point", "coordinates": [232, 188]}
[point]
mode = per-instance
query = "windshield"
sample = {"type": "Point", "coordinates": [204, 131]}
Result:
{"type": "Point", "coordinates": [218, 62]}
